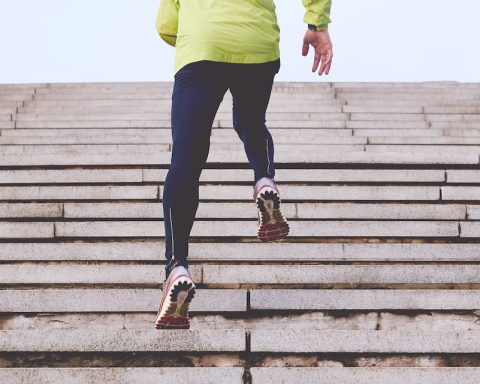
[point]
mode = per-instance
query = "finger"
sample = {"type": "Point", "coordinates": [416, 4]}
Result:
{"type": "Point", "coordinates": [305, 48]}
{"type": "Point", "coordinates": [328, 65]}
{"type": "Point", "coordinates": [316, 61]}
{"type": "Point", "coordinates": [328, 61]}
{"type": "Point", "coordinates": [322, 65]}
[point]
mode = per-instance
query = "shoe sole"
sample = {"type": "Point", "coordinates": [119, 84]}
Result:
{"type": "Point", "coordinates": [273, 225]}
{"type": "Point", "coordinates": [177, 302]}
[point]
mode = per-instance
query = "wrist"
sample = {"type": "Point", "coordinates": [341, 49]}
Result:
{"type": "Point", "coordinates": [313, 27]}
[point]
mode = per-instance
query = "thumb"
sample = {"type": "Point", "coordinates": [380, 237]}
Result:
{"type": "Point", "coordinates": [305, 48]}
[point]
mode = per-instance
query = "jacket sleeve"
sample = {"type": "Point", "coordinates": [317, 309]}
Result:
{"type": "Point", "coordinates": [317, 12]}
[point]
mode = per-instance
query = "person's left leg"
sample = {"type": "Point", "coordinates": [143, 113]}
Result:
{"type": "Point", "coordinates": [198, 91]}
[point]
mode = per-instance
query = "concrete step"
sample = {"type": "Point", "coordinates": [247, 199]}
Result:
{"type": "Point", "coordinates": [115, 148]}
{"type": "Point", "coordinates": [156, 95]}
{"type": "Point", "coordinates": [157, 104]}
{"type": "Point", "coordinates": [406, 101]}
{"type": "Point", "coordinates": [344, 228]}
{"type": "Point", "coordinates": [359, 299]}
{"type": "Point", "coordinates": [16, 97]}
{"type": "Point", "coordinates": [453, 109]}
{"type": "Point", "coordinates": [343, 341]}
{"type": "Point", "coordinates": [11, 104]}
{"type": "Point", "coordinates": [297, 157]}
{"type": "Point", "coordinates": [242, 275]}
{"type": "Point", "coordinates": [14, 90]}
{"type": "Point", "coordinates": [166, 147]}
{"type": "Point", "coordinates": [241, 252]}
{"type": "Point", "coordinates": [5, 117]}
{"type": "Point", "coordinates": [282, 175]}
{"type": "Point", "coordinates": [87, 274]}
{"type": "Point", "coordinates": [82, 192]}
{"type": "Point", "coordinates": [473, 212]}
{"type": "Point", "coordinates": [404, 110]}
{"type": "Point", "coordinates": [263, 375]}
{"type": "Point", "coordinates": [439, 140]}
{"type": "Point", "coordinates": [165, 123]}
{"type": "Point", "coordinates": [208, 340]}
{"type": "Point", "coordinates": [387, 125]}
{"type": "Point", "coordinates": [413, 93]}
{"type": "Point", "coordinates": [400, 132]}
{"type": "Point", "coordinates": [234, 192]}
{"type": "Point", "coordinates": [471, 229]}
{"type": "Point", "coordinates": [224, 210]}
{"type": "Point", "coordinates": [220, 340]}
{"type": "Point", "coordinates": [49, 109]}
{"type": "Point", "coordinates": [126, 300]}
{"type": "Point", "coordinates": [468, 117]}
{"type": "Point", "coordinates": [422, 148]}
{"type": "Point", "coordinates": [461, 132]}
{"type": "Point", "coordinates": [165, 132]}
{"type": "Point", "coordinates": [322, 175]}
{"type": "Point", "coordinates": [226, 192]}
{"type": "Point", "coordinates": [23, 210]}
{"type": "Point", "coordinates": [235, 145]}
{"type": "Point", "coordinates": [400, 117]}
{"type": "Point", "coordinates": [341, 274]}
{"type": "Point", "coordinates": [79, 132]}
{"type": "Point", "coordinates": [7, 110]}
{"type": "Point", "coordinates": [455, 125]}
{"type": "Point", "coordinates": [398, 85]}
{"type": "Point", "coordinates": [406, 211]}
{"type": "Point", "coordinates": [245, 251]}
{"type": "Point", "coordinates": [163, 375]}
{"type": "Point", "coordinates": [164, 138]}
{"type": "Point", "coordinates": [364, 375]}
{"type": "Point", "coordinates": [7, 125]}
{"type": "Point", "coordinates": [137, 116]}
{"type": "Point", "coordinates": [235, 300]}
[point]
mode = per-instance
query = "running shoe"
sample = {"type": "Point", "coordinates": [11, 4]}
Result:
{"type": "Point", "coordinates": [178, 291]}
{"type": "Point", "coordinates": [272, 225]}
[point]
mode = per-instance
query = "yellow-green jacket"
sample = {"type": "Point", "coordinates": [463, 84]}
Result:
{"type": "Point", "coordinates": [235, 31]}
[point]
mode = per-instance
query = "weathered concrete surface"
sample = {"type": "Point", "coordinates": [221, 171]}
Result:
{"type": "Point", "coordinates": [110, 273]}
{"type": "Point", "coordinates": [365, 341]}
{"type": "Point", "coordinates": [225, 340]}
{"type": "Point", "coordinates": [219, 228]}
{"type": "Point", "coordinates": [412, 299]}
{"type": "Point", "coordinates": [255, 251]}
{"type": "Point", "coordinates": [114, 300]}
{"type": "Point", "coordinates": [389, 169]}
{"type": "Point", "coordinates": [161, 375]}
{"type": "Point", "coordinates": [351, 274]}
{"type": "Point", "coordinates": [71, 273]}
{"type": "Point", "coordinates": [344, 375]}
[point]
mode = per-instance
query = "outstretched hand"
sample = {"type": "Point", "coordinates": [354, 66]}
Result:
{"type": "Point", "coordinates": [322, 44]}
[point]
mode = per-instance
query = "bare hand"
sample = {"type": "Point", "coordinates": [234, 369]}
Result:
{"type": "Point", "coordinates": [320, 40]}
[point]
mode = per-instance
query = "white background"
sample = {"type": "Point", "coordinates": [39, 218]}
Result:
{"type": "Point", "coordinates": [115, 40]}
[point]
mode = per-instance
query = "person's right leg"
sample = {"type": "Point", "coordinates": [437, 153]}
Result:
{"type": "Point", "coordinates": [251, 86]}
{"type": "Point", "coordinates": [198, 91]}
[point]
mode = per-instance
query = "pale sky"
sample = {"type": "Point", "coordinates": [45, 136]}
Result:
{"type": "Point", "coordinates": [115, 40]}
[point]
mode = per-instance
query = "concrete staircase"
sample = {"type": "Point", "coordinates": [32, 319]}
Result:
{"type": "Point", "coordinates": [378, 283]}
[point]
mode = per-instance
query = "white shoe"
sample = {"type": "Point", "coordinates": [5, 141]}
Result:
{"type": "Point", "coordinates": [178, 291]}
{"type": "Point", "coordinates": [272, 225]}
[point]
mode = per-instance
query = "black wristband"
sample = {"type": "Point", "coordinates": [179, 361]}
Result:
{"type": "Point", "coordinates": [312, 27]}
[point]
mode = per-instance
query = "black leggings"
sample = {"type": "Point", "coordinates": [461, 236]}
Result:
{"type": "Point", "coordinates": [198, 90]}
